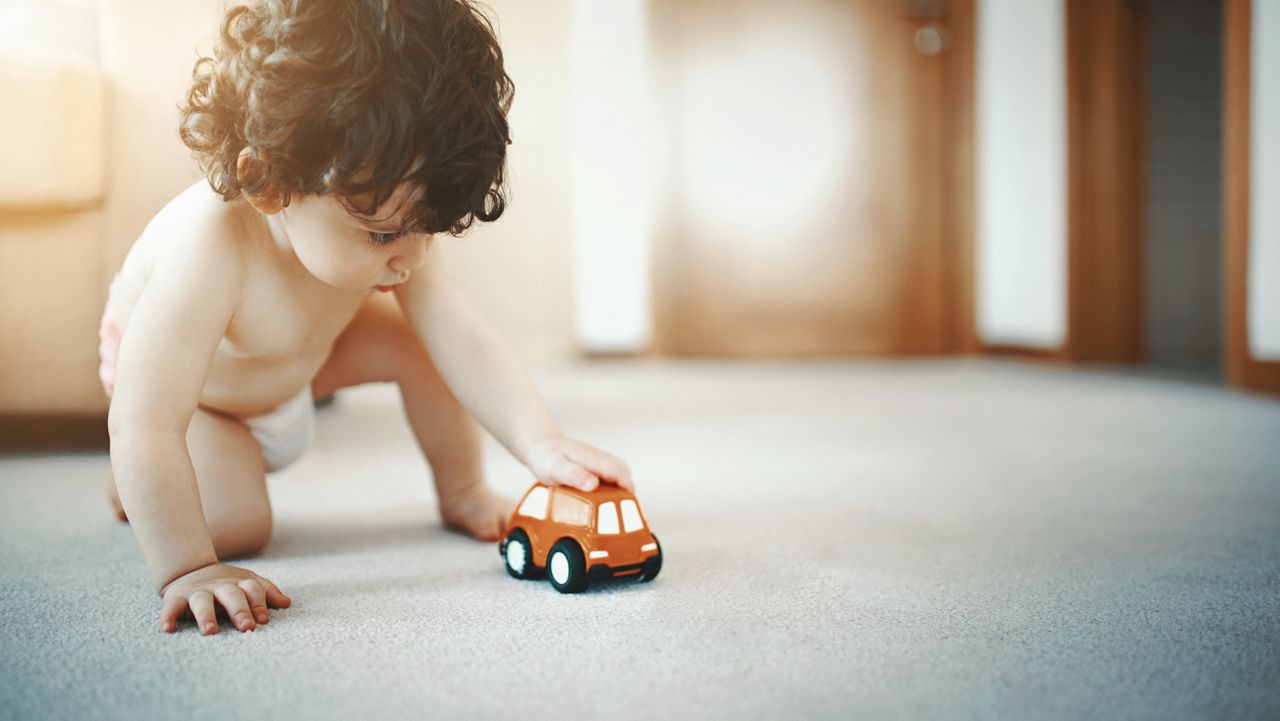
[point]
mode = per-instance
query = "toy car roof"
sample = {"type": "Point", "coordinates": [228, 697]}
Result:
{"type": "Point", "coordinates": [603, 492]}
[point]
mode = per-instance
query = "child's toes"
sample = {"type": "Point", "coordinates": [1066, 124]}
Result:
{"type": "Point", "coordinates": [482, 515]}
{"type": "Point", "coordinates": [485, 530]}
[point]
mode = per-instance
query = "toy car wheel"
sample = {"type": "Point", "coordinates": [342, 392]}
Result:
{"type": "Point", "coordinates": [653, 564]}
{"type": "Point", "coordinates": [517, 555]}
{"type": "Point", "coordinates": [566, 567]}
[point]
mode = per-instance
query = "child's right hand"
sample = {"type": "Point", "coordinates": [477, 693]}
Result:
{"type": "Point", "coordinates": [243, 595]}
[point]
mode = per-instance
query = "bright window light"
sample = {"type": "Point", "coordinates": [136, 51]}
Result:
{"type": "Point", "coordinates": [631, 516]}
{"type": "Point", "coordinates": [535, 504]}
{"type": "Point", "coordinates": [607, 520]}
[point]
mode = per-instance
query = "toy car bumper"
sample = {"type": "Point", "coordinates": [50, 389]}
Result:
{"type": "Point", "coordinates": [601, 571]}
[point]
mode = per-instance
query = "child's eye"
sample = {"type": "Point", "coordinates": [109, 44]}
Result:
{"type": "Point", "coordinates": [384, 238]}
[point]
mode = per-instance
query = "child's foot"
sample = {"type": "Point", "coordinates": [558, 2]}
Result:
{"type": "Point", "coordinates": [475, 510]}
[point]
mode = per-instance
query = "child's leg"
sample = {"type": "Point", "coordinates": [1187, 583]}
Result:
{"type": "Point", "coordinates": [232, 483]}
{"type": "Point", "coordinates": [380, 346]}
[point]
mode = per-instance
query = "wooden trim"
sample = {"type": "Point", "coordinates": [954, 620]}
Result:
{"type": "Point", "coordinates": [42, 433]}
{"type": "Point", "coordinates": [664, 264]}
{"type": "Point", "coordinates": [1242, 368]}
{"type": "Point", "coordinates": [1025, 352]}
{"type": "Point", "coordinates": [1236, 46]}
{"type": "Point", "coordinates": [961, 198]}
{"type": "Point", "coordinates": [611, 355]}
{"type": "Point", "coordinates": [1106, 178]}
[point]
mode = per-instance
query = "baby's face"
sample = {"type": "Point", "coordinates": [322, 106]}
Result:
{"type": "Point", "coordinates": [350, 252]}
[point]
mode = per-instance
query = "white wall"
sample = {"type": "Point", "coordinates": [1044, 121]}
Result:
{"type": "Point", "coordinates": [1264, 184]}
{"type": "Point", "coordinates": [609, 160]}
{"type": "Point", "coordinates": [52, 147]}
{"type": "Point", "coordinates": [69, 27]}
{"type": "Point", "coordinates": [1021, 234]}
{"type": "Point", "coordinates": [519, 270]}
{"type": "Point", "coordinates": [148, 51]}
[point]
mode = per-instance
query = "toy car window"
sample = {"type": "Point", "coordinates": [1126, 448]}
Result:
{"type": "Point", "coordinates": [607, 521]}
{"type": "Point", "coordinates": [535, 504]}
{"type": "Point", "coordinates": [571, 510]}
{"type": "Point", "coordinates": [631, 516]}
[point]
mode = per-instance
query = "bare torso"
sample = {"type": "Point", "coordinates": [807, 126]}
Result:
{"type": "Point", "coordinates": [286, 320]}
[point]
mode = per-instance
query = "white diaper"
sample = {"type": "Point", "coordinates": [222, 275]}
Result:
{"type": "Point", "coordinates": [285, 432]}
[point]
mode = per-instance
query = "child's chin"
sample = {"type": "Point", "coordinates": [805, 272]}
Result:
{"type": "Point", "coordinates": [343, 283]}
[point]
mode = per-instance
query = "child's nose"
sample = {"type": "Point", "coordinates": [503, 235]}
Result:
{"type": "Point", "coordinates": [411, 258]}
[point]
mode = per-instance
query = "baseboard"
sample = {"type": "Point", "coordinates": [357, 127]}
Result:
{"type": "Point", "coordinates": [1023, 351]}
{"type": "Point", "coordinates": [1254, 375]}
{"type": "Point", "coordinates": [21, 433]}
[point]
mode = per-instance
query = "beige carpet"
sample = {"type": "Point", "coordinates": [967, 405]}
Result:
{"type": "Point", "coordinates": [954, 539]}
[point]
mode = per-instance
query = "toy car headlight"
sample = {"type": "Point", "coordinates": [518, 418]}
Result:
{"type": "Point", "coordinates": [649, 547]}
{"type": "Point", "coordinates": [599, 554]}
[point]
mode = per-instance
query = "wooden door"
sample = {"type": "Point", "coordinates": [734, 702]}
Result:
{"type": "Point", "coordinates": [816, 195]}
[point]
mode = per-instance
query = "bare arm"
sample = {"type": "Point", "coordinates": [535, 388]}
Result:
{"type": "Point", "coordinates": [164, 356]}
{"type": "Point", "coordinates": [483, 372]}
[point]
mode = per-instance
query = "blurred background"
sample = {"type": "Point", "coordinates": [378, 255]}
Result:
{"type": "Point", "coordinates": [942, 338]}
{"type": "Point", "coordinates": [1078, 180]}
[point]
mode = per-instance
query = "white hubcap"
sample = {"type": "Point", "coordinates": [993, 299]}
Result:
{"type": "Point", "coordinates": [515, 556]}
{"type": "Point", "coordinates": [560, 568]}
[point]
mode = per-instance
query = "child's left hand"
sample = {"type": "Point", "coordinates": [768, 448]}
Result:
{"type": "Point", "coordinates": [560, 460]}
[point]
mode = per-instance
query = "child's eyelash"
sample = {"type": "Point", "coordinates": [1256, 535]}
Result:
{"type": "Point", "coordinates": [384, 238]}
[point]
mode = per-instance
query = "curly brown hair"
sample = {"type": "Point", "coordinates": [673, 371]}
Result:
{"type": "Point", "coordinates": [354, 97]}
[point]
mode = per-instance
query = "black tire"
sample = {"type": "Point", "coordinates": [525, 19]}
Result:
{"type": "Point", "coordinates": [573, 578]}
{"type": "Point", "coordinates": [518, 539]}
{"type": "Point", "coordinates": [653, 565]}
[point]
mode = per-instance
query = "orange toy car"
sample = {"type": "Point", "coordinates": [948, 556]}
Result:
{"type": "Point", "coordinates": [576, 537]}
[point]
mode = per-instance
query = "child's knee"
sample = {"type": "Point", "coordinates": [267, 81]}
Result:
{"type": "Point", "coordinates": [241, 534]}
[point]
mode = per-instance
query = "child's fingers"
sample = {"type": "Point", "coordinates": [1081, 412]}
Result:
{"type": "Point", "coordinates": [201, 603]}
{"type": "Point", "coordinates": [233, 600]}
{"type": "Point", "coordinates": [275, 598]}
{"type": "Point", "coordinates": [606, 465]}
{"type": "Point", "coordinates": [171, 611]}
{"type": "Point", "coordinates": [620, 474]}
{"type": "Point", "coordinates": [571, 474]}
{"type": "Point", "coordinates": [257, 595]}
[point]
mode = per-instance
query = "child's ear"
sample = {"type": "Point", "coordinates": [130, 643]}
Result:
{"type": "Point", "coordinates": [247, 169]}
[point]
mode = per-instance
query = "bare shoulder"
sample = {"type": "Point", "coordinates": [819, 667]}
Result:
{"type": "Point", "coordinates": [193, 253]}
{"type": "Point", "coordinates": [195, 231]}
{"type": "Point", "coordinates": [199, 229]}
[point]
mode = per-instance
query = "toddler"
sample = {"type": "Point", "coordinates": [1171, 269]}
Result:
{"type": "Point", "coordinates": [338, 138]}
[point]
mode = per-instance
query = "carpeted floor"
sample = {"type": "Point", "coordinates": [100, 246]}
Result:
{"type": "Point", "coordinates": [955, 539]}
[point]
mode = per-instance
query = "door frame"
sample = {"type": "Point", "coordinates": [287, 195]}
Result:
{"type": "Point", "coordinates": [1107, 276]}
{"type": "Point", "coordinates": [1107, 48]}
{"type": "Point", "coordinates": [1106, 64]}
{"type": "Point", "coordinates": [961, 196]}
{"type": "Point", "coordinates": [1242, 368]}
